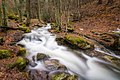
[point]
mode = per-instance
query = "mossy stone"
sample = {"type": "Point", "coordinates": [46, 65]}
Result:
{"type": "Point", "coordinates": [13, 17]}
{"type": "Point", "coordinates": [63, 76]}
{"type": "Point", "coordinates": [5, 54]}
{"type": "Point", "coordinates": [41, 56]}
{"type": "Point", "coordinates": [24, 28]}
{"type": "Point", "coordinates": [22, 52]}
{"type": "Point", "coordinates": [20, 63]}
{"type": "Point", "coordinates": [78, 41]}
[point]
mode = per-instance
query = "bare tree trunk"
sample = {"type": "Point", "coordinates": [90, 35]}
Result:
{"type": "Point", "coordinates": [39, 11]}
{"type": "Point", "coordinates": [28, 12]}
{"type": "Point", "coordinates": [20, 10]}
{"type": "Point", "coordinates": [4, 13]}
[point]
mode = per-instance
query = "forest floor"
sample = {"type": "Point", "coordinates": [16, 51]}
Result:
{"type": "Point", "coordinates": [96, 18]}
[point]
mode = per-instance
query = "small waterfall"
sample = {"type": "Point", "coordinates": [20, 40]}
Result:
{"type": "Point", "coordinates": [90, 68]}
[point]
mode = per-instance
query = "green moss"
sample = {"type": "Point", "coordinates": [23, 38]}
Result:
{"type": "Point", "coordinates": [13, 17]}
{"type": "Point", "coordinates": [22, 52]}
{"type": "Point", "coordinates": [41, 56]}
{"type": "Point", "coordinates": [63, 76]}
{"type": "Point", "coordinates": [78, 41]}
{"type": "Point", "coordinates": [70, 29]}
{"type": "Point", "coordinates": [20, 63]}
{"type": "Point", "coordinates": [5, 54]}
{"type": "Point", "coordinates": [24, 28]}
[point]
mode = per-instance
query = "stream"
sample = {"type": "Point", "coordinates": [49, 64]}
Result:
{"type": "Point", "coordinates": [40, 40]}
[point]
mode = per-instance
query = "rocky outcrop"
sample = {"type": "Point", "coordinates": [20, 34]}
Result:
{"type": "Point", "coordinates": [78, 42]}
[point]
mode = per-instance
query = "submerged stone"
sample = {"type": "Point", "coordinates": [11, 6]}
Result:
{"type": "Point", "coordinates": [78, 41]}
{"type": "Point", "coordinates": [5, 54]}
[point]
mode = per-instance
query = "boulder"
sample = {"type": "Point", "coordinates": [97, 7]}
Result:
{"type": "Point", "coordinates": [78, 42]}
{"type": "Point", "coordinates": [22, 52]}
{"type": "Point", "coordinates": [41, 56]}
{"type": "Point", "coordinates": [54, 64]}
{"type": "Point", "coordinates": [58, 75]}
{"type": "Point", "coordinates": [20, 64]}
{"type": "Point", "coordinates": [5, 54]}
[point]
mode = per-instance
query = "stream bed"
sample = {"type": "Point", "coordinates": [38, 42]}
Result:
{"type": "Point", "coordinates": [46, 55]}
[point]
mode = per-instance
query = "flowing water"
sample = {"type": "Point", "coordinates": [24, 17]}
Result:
{"type": "Point", "coordinates": [88, 68]}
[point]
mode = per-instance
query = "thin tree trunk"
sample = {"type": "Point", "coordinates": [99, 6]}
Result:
{"type": "Point", "coordinates": [39, 11]}
{"type": "Point", "coordinates": [4, 13]}
{"type": "Point", "coordinates": [20, 10]}
{"type": "Point", "coordinates": [28, 12]}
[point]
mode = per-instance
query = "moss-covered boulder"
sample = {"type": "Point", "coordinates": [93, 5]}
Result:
{"type": "Point", "coordinates": [13, 16]}
{"type": "Point", "coordinates": [70, 29]}
{"type": "Point", "coordinates": [5, 54]}
{"type": "Point", "coordinates": [78, 42]}
{"type": "Point", "coordinates": [22, 52]}
{"type": "Point", "coordinates": [41, 56]}
{"type": "Point", "coordinates": [62, 76]}
{"type": "Point", "coordinates": [20, 63]}
{"type": "Point", "coordinates": [1, 40]}
{"type": "Point", "coordinates": [24, 28]}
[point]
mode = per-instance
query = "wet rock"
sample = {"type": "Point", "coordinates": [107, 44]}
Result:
{"type": "Point", "coordinates": [58, 75]}
{"type": "Point", "coordinates": [78, 42]}
{"type": "Point", "coordinates": [32, 63]}
{"type": "Point", "coordinates": [41, 56]}
{"type": "Point", "coordinates": [5, 54]}
{"type": "Point", "coordinates": [22, 52]}
{"type": "Point", "coordinates": [54, 64]}
{"type": "Point", "coordinates": [38, 75]}
{"type": "Point", "coordinates": [113, 60]}
{"type": "Point", "coordinates": [20, 63]}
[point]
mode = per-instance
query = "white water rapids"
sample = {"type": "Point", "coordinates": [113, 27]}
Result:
{"type": "Point", "coordinates": [90, 68]}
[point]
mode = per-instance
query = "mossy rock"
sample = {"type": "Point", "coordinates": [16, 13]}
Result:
{"type": "Point", "coordinates": [13, 17]}
{"type": "Point", "coordinates": [24, 28]}
{"type": "Point", "coordinates": [5, 54]}
{"type": "Point", "coordinates": [78, 41]}
{"type": "Point", "coordinates": [63, 76]}
{"type": "Point", "coordinates": [1, 40]}
{"type": "Point", "coordinates": [20, 63]}
{"type": "Point", "coordinates": [22, 52]}
{"type": "Point", "coordinates": [41, 56]}
{"type": "Point", "coordinates": [70, 29]}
